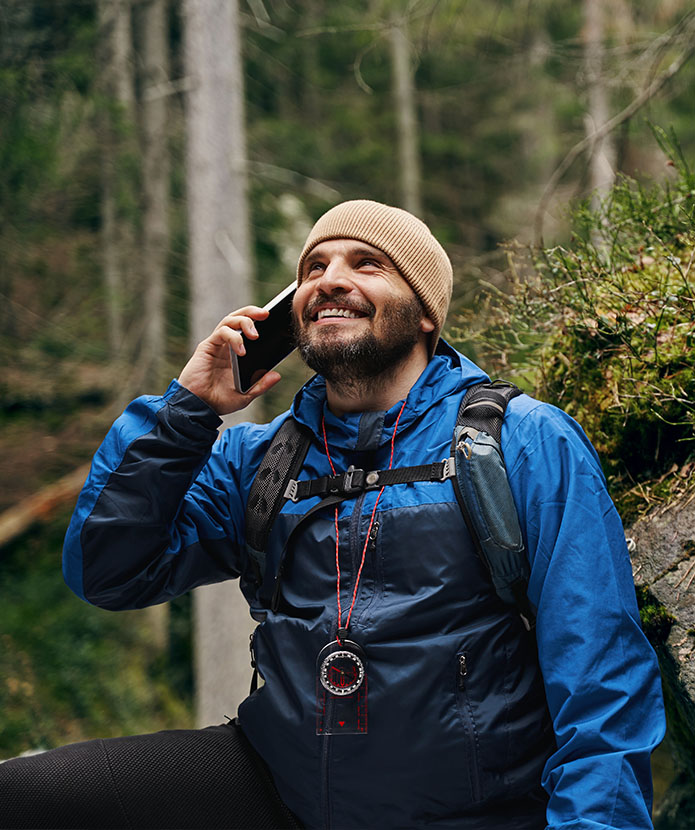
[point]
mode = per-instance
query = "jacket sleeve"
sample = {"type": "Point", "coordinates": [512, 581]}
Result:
{"type": "Point", "coordinates": [601, 675]}
{"type": "Point", "coordinates": [160, 512]}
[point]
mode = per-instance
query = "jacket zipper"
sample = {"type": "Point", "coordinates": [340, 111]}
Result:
{"type": "Point", "coordinates": [466, 714]}
{"type": "Point", "coordinates": [325, 752]}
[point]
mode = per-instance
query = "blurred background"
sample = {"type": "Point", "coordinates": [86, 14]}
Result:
{"type": "Point", "coordinates": [161, 162]}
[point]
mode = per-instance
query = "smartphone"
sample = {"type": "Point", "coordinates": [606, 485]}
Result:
{"type": "Point", "coordinates": [275, 341]}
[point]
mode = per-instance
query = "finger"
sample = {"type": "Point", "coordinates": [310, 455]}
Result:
{"type": "Point", "coordinates": [235, 323]}
{"type": "Point", "coordinates": [248, 327]}
{"type": "Point", "coordinates": [264, 384]}
{"type": "Point", "coordinates": [254, 312]}
{"type": "Point", "coordinates": [227, 336]}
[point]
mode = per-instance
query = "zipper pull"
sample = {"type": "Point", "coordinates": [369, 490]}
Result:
{"type": "Point", "coordinates": [373, 534]}
{"type": "Point", "coordinates": [462, 672]}
{"type": "Point", "coordinates": [465, 449]}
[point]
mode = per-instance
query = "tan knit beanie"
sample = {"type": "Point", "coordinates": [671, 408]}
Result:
{"type": "Point", "coordinates": [408, 243]}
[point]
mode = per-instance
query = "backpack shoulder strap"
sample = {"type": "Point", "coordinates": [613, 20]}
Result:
{"type": "Point", "coordinates": [482, 491]}
{"type": "Point", "coordinates": [281, 463]}
{"type": "Point", "coordinates": [484, 405]}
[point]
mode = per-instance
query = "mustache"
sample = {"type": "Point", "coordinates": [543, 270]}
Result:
{"type": "Point", "coordinates": [307, 315]}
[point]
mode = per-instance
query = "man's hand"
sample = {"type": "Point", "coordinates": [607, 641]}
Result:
{"type": "Point", "coordinates": [208, 374]}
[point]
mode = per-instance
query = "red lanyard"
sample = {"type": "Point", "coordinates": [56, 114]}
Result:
{"type": "Point", "coordinates": [369, 529]}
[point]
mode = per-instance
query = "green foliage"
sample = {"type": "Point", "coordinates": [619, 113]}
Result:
{"type": "Point", "coordinates": [69, 671]}
{"type": "Point", "coordinates": [656, 620]}
{"type": "Point", "coordinates": [604, 328]}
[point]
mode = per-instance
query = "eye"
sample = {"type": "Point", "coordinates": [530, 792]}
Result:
{"type": "Point", "coordinates": [368, 263]}
{"type": "Point", "coordinates": [314, 268]}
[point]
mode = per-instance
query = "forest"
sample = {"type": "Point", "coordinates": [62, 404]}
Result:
{"type": "Point", "coordinates": [161, 162]}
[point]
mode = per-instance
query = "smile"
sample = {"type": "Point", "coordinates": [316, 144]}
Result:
{"type": "Point", "coordinates": [346, 313]}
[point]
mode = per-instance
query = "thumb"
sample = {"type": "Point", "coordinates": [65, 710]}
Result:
{"type": "Point", "coordinates": [262, 385]}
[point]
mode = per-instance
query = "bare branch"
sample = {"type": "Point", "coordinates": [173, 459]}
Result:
{"type": "Point", "coordinates": [338, 30]}
{"type": "Point", "coordinates": [294, 179]}
{"type": "Point", "coordinates": [357, 67]}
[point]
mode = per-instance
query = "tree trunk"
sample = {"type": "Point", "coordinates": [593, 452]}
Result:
{"type": "Point", "coordinates": [154, 249]}
{"type": "Point", "coordinates": [155, 183]}
{"type": "Point", "coordinates": [602, 153]}
{"type": "Point", "coordinates": [311, 82]}
{"type": "Point", "coordinates": [664, 567]}
{"type": "Point", "coordinates": [220, 263]}
{"type": "Point", "coordinates": [406, 117]}
{"type": "Point", "coordinates": [118, 118]}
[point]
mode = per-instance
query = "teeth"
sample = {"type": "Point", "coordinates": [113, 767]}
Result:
{"type": "Point", "coordinates": [337, 312]}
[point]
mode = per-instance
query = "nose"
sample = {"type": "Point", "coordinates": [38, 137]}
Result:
{"type": "Point", "coordinates": [337, 276]}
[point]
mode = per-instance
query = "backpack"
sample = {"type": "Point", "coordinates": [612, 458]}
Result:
{"type": "Point", "coordinates": [475, 467]}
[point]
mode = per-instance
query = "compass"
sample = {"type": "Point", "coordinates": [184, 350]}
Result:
{"type": "Point", "coordinates": [341, 667]}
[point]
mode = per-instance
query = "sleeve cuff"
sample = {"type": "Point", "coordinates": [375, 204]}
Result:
{"type": "Point", "coordinates": [190, 415]}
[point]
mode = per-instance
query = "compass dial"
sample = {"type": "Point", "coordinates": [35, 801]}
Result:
{"type": "Point", "coordinates": [342, 673]}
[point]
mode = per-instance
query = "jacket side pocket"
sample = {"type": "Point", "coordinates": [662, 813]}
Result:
{"type": "Point", "coordinates": [465, 711]}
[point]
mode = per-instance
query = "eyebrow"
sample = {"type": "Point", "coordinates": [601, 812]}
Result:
{"type": "Point", "coordinates": [374, 253]}
{"type": "Point", "coordinates": [312, 257]}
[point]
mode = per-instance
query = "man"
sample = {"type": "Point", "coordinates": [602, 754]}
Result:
{"type": "Point", "coordinates": [400, 691]}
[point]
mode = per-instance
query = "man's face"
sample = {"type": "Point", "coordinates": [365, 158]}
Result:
{"type": "Point", "coordinates": [355, 316]}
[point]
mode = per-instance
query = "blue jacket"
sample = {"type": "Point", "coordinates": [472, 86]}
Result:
{"type": "Point", "coordinates": [163, 511]}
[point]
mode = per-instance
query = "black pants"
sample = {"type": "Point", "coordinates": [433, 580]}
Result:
{"type": "Point", "coordinates": [183, 778]}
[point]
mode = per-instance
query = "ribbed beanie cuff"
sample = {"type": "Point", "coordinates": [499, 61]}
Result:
{"type": "Point", "coordinates": [406, 240]}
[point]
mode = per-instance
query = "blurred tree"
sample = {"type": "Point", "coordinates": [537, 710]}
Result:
{"type": "Point", "coordinates": [220, 270]}
{"type": "Point", "coordinates": [602, 150]}
{"type": "Point", "coordinates": [406, 117]}
{"type": "Point", "coordinates": [154, 137]}
{"type": "Point", "coordinates": [155, 185]}
{"type": "Point", "coordinates": [117, 151]}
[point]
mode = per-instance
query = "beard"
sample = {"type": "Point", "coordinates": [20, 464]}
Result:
{"type": "Point", "coordinates": [365, 362]}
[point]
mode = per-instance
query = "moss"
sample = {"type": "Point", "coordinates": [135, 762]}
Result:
{"type": "Point", "coordinates": [605, 329]}
{"type": "Point", "coordinates": [656, 620]}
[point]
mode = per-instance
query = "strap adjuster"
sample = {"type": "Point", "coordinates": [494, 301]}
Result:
{"type": "Point", "coordinates": [351, 481]}
{"type": "Point", "coordinates": [448, 468]}
{"type": "Point", "coordinates": [291, 490]}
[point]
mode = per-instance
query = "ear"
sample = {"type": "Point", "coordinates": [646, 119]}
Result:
{"type": "Point", "coordinates": [426, 325]}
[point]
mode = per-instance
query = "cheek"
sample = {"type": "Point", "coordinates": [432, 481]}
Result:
{"type": "Point", "coordinates": [300, 301]}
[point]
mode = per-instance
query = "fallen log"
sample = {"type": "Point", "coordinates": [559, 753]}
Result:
{"type": "Point", "coordinates": [41, 506]}
{"type": "Point", "coordinates": [663, 561]}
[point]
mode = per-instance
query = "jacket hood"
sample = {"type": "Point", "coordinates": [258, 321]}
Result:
{"type": "Point", "coordinates": [447, 373]}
